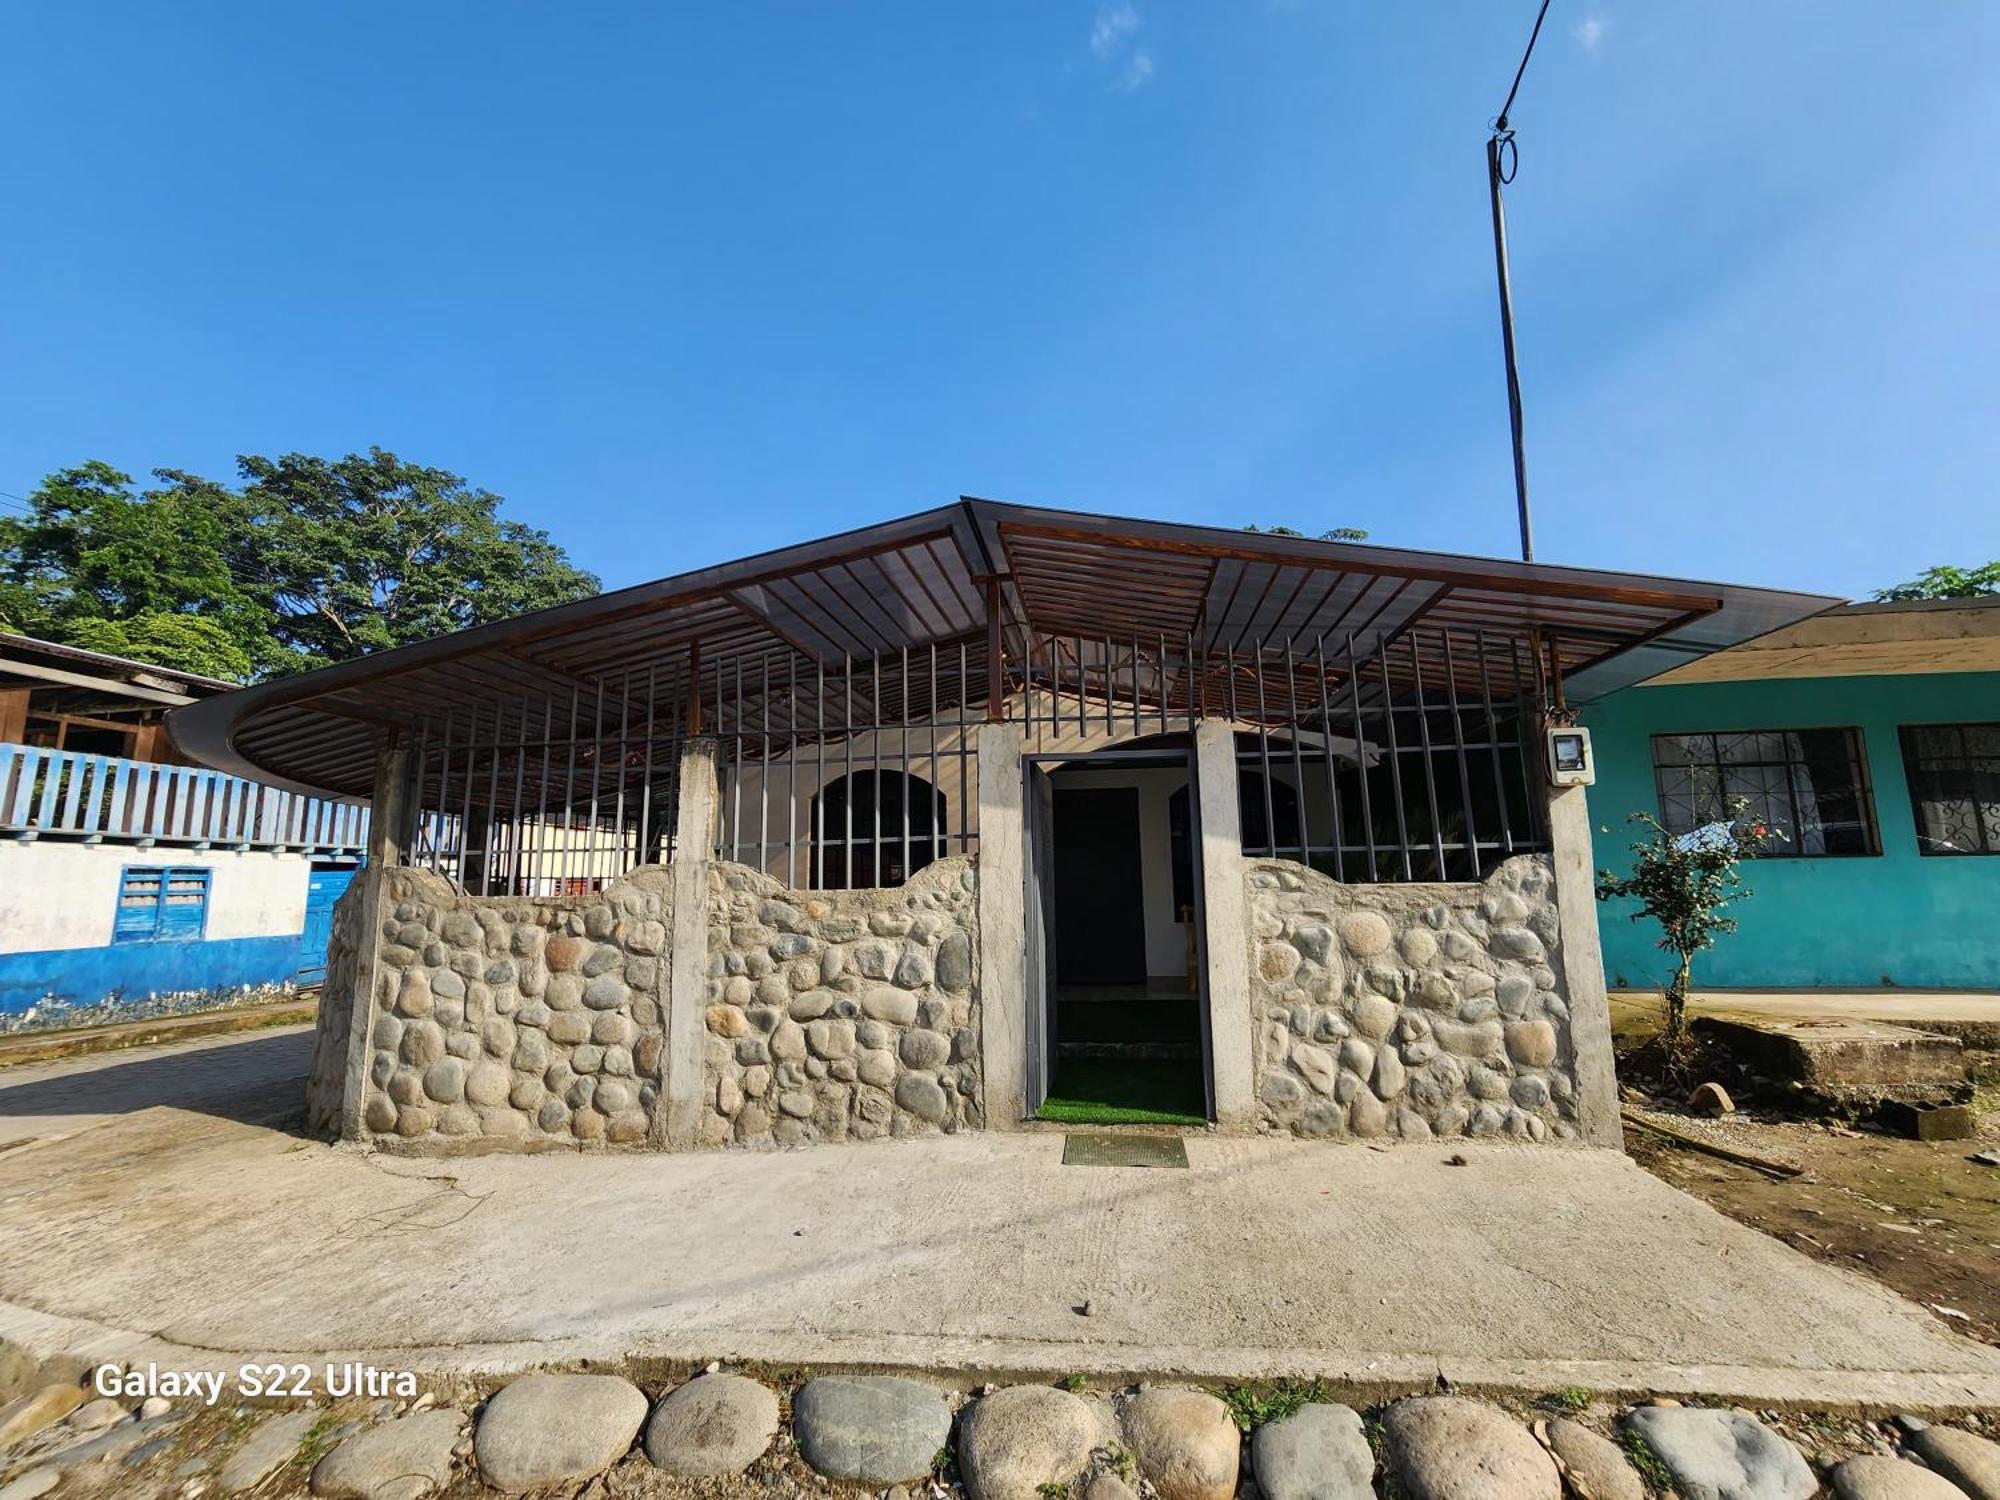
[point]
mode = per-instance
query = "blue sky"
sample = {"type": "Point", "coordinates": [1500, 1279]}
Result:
{"type": "Point", "coordinates": [686, 281]}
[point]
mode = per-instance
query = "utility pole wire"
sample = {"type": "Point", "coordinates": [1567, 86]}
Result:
{"type": "Point", "coordinates": [1508, 108]}
{"type": "Point", "coordinates": [1502, 158]}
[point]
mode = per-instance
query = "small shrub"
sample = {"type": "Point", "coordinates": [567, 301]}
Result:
{"type": "Point", "coordinates": [1254, 1405]}
{"type": "Point", "coordinates": [1073, 1382]}
{"type": "Point", "coordinates": [1571, 1399]}
{"type": "Point", "coordinates": [1656, 1475]}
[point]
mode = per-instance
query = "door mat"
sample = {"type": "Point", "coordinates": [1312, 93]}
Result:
{"type": "Point", "coordinates": [1124, 1151]}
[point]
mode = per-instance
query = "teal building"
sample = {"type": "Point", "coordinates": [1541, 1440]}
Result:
{"type": "Point", "coordinates": [1869, 736]}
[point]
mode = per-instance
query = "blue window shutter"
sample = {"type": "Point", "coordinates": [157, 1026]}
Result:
{"type": "Point", "coordinates": [141, 891]}
{"type": "Point", "coordinates": [184, 910]}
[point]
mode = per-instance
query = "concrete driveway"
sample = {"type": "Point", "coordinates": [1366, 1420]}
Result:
{"type": "Point", "coordinates": [201, 1237]}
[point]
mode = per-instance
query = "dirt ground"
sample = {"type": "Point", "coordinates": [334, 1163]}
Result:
{"type": "Point", "coordinates": [1922, 1218]}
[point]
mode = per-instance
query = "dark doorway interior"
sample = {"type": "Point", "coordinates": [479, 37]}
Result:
{"type": "Point", "coordinates": [1100, 919]}
{"type": "Point", "coordinates": [1126, 1046]}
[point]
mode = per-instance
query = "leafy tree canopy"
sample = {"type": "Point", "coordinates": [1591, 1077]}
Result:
{"type": "Point", "coordinates": [1335, 534]}
{"type": "Point", "coordinates": [1947, 582]}
{"type": "Point", "coordinates": [308, 561]}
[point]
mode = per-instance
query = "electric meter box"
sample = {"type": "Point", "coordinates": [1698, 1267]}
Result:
{"type": "Point", "coordinates": [1570, 762]}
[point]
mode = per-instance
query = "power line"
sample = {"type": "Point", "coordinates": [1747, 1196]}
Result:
{"type": "Point", "coordinates": [1500, 124]}
{"type": "Point", "coordinates": [1502, 159]}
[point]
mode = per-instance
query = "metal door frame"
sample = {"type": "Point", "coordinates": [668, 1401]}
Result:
{"type": "Point", "coordinates": [1040, 988]}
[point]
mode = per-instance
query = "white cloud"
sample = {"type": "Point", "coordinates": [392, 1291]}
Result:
{"type": "Point", "coordinates": [1137, 71]}
{"type": "Point", "coordinates": [1590, 31]}
{"type": "Point", "coordinates": [1113, 28]}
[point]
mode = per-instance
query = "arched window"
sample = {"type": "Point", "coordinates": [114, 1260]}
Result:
{"type": "Point", "coordinates": [875, 828]}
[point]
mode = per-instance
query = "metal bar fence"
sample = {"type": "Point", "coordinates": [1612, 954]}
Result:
{"type": "Point", "coordinates": [1399, 759]}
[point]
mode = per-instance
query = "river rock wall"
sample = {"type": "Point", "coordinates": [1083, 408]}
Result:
{"type": "Point", "coordinates": [1409, 1011]}
{"type": "Point", "coordinates": [538, 1022]}
{"type": "Point", "coordinates": [840, 1015]}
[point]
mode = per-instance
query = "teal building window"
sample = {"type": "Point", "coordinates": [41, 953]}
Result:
{"type": "Point", "coordinates": [1954, 775]}
{"type": "Point", "coordinates": [1810, 785]}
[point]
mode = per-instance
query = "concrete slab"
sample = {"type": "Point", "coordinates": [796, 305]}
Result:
{"type": "Point", "coordinates": [1973, 1016]}
{"type": "Point", "coordinates": [1845, 1059]}
{"type": "Point", "coordinates": [200, 1240]}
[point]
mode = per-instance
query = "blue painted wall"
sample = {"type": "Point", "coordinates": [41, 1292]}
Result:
{"type": "Point", "coordinates": [87, 976]}
{"type": "Point", "coordinates": [1897, 918]}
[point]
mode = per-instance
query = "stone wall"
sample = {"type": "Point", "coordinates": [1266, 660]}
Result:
{"type": "Point", "coordinates": [532, 1021]}
{"type": "Point", "coordinates": [841, 1015]}
{"type": "Point", "coordinates": [1410, 1011]}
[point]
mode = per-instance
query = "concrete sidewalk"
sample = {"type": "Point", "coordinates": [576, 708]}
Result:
{"type": "Point", "coordinates": [202, 1240]}
{"type": "Point", "coordinates": [254, 1075]}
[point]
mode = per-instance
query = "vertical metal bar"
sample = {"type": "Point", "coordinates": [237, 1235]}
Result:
{"type": "Point", "coordinates": [1110, 691]}
{"type": "Point", "coordinates": [1135, 685]}
{"type": "Point", "coordinates": [1298, 755]}
{"type": "Point", "coordinates": [540, 863]}
{"type": "Point", "coordinates": [646, 845]}
{"type": "Point", "coordinates": [465, 816]}
{"type": "Point", "coordinates": [1195, 678]}
{"type": "Point", "coordinates": [995, 667]}
{"type": "Point", "coordinates": [1264, 759]}
{"type": "Point", "coordinates": [764, 768]}
{"type": "Point", "coordinates": [492, 802]}
{"type": "Point", "coordinates": [964, 813]}
{"type": "Point", "coordinates": [444, 794]}
{"type": "Point", "coordinates": [847, 775]}
{"type": "Point", "coordinates": [791, 768]}
{"type": "Point", "coordinates": [937, 830]}
{"type": "Point", "coordinates": [1424, 733]}
{"type": "Point", "coordinates": [1339, 871]}
{"type": "Point", "coordinates": [623, 829]}
{"type": "Point", "coordinates": [1493, 744]}
{"type": "Point", "coordinates": [875, 769]}
{"type": "Point", "coordinates": [1526, 711]}
{"type": "Point", "coordinates": [1361, 754]}
{"type": "Point", "coordinates": [735, 761]}
{"type": "Point", "coordinates": [819, 779]}
{"type": "Point", "coordinates": [569, 783]}
{"type": "Point", "coordinates": [1160, 666]}
{"type": "Point", "coordinates": [905, 716]}
{"type": "Point", "coordinates": [1458, 746]}
{"type": "Point", "coordinates": [516, 834]}
{"type": "Point", "coordinates": [1395, 755]}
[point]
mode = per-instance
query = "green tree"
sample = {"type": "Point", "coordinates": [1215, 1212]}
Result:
{"type": "Point", "coordinates": [1336, 534]}
{"type": "Point", "coordinates": [311, 561]}
{"type": "Point", "coordinates": [1686, 882]}
{"type": "Point", "coordinates": [369, 551]}
{"type": "Point", "coordinates": [1947, 582]}
{"type": "Point", "coordinates": [94, 551]}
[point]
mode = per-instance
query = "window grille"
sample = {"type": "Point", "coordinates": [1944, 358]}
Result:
{"type": "Point", "coordinates": [1954, 776]}
{"type": "Point", "coordinates": [1809, 786]}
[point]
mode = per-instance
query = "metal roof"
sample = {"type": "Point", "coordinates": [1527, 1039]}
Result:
{"type": "Point", "coordinates": [925, 580]}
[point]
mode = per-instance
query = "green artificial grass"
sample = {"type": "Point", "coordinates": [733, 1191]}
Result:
{"type": "Point", "coordinates": [1117, 1091]}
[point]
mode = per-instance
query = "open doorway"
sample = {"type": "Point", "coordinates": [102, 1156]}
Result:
{"type": "Point", "coordinates": [1122, 1007]}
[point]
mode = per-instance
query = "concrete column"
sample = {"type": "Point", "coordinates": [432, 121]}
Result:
{"type": "Point", "coordinates": [1003, 992]}
{"type": "Point", "coordinates": [389, 815]}
{"type": "Point", "coordinates": [677, 1122]}
{"type": "Point", "coordinates": [1583, 967]}
{"type": "Point", "coordinates": [1225, 931]}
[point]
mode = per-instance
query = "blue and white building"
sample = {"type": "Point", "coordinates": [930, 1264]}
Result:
{"type": "Point", "coordinates": [131, 882]}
